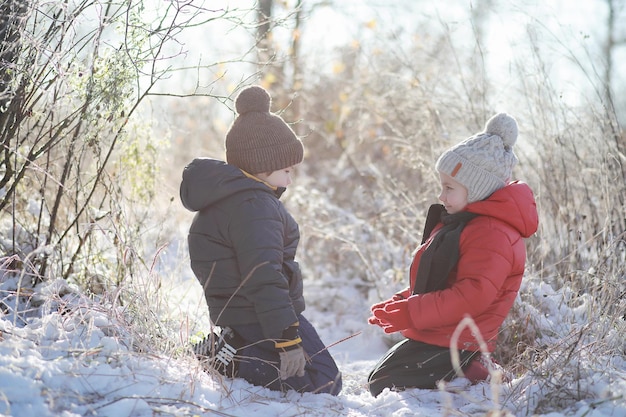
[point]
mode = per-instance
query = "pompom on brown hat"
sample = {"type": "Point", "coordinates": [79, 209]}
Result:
{"type": "Point", "coordinates": [259, 141]}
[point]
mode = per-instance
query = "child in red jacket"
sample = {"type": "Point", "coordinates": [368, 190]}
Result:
{"type": "Point", "coordinates": [470, 264]}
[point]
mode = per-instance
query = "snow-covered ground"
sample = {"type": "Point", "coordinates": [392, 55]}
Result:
{"type": "Point", "coordinates": [69, 356]}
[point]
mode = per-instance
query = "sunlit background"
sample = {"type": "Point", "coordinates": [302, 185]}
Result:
{"type": "Point", "coordinates": [569, 36]}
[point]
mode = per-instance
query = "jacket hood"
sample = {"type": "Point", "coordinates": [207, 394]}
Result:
{"type": "Point", "coordinates": [514, 204]}
{"type": "Point", "coordinates": [207, 181]}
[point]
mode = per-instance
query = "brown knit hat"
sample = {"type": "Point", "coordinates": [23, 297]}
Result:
{"type": "Point", "coordinates": [259, 141]}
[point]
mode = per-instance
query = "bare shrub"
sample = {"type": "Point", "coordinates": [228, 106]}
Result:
{"type": "Point", "coordinates": [80, 163]}
{"type": "Point", "coordinates": [373, 132]}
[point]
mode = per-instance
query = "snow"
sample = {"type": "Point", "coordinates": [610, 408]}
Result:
{"type": "Point", "coordinates": [72, 355]}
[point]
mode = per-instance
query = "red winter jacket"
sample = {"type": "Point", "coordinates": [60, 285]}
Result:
{"type": "Point", "coordinates": [487, 277]}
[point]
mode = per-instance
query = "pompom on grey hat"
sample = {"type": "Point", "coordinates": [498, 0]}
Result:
{"type": "Point", "coordinates": [259, 141]}
{"type": "Point", "coordinates": [483, 163]}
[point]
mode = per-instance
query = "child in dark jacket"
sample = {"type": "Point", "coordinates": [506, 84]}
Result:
{"type": "Point", "coordinates": [470, 263]}
{"type": "Point", "coordinates": [242, 247]}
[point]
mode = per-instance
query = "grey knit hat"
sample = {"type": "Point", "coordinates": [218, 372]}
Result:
{"type": "Point", "coordinates": [484, 162]}
{"type": "Point", "coordinates": [259, 141]}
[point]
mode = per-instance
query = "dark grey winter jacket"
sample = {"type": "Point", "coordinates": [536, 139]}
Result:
{"type": "Point", "coordinates": [242, 247]}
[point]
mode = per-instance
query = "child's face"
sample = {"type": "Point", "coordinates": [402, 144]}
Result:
{"type": "Point", "coordinates": [280, 178]}
{"type": "Point", "coordinates": [453, 195]}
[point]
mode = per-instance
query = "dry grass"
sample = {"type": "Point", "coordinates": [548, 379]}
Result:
{"type": "Point", "coordinates": [372, 135]}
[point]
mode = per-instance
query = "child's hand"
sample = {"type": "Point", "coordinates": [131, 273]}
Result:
{"type": "Point", "coordinates": [393, 317]}
{"type": "Point", "coordinates": [375, 320]}
{"type": "Point", "coordinates": [292, 363]}
{"type": "Point", "coordinates": [382, 304]}
{"type": "Point", "coordinates": [292, 356]}
{"type": "Point", "coordinates": [378, 306]}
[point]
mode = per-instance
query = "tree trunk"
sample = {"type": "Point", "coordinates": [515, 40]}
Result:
{"type": "Point", "coordinates": [12, 13]}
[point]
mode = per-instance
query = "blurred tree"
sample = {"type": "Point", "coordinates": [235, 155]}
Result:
{"type": "Point", "coordinates": [280, 73]}
{"type": "Point", "coordinates": [264, 42]}
{"type": "Point", "coordinates": [264, 17]}
{"type": "Point", "coordinates": [74, 153]}
{"type": "Point", "coordinates": [12, 15]}
{"type": "Point", "coordinates": [614, 40]}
